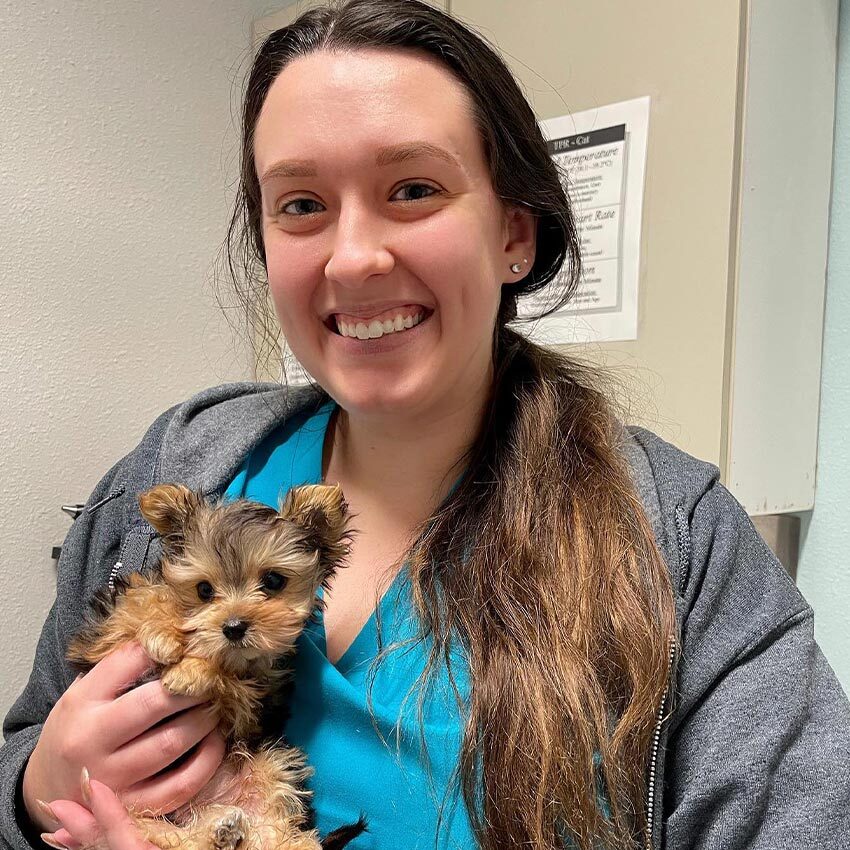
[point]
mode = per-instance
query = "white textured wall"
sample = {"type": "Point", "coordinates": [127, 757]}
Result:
{"type": "Point", "coordinates": [117, 158]}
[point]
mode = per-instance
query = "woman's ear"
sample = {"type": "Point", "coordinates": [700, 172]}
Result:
{"type": "Point", "coordinates": [520, 241]}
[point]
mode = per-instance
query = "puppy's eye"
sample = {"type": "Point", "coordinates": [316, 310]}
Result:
{"type": "Point", "coordinates": [205, 591]}
{"type": "Point", "coordinates": [273, 581]}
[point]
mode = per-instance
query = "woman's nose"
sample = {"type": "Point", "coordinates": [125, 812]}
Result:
{"type": "Point", "coordinates": [359, 250]}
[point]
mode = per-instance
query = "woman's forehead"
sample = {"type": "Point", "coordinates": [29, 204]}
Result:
{"type": "Point", "coordinates": [364, 99]}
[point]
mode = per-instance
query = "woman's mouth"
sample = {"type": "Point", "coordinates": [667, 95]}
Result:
{"type": "Point", "coordinates": [393, 321]}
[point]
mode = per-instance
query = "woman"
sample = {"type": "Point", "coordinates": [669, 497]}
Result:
{"type": "Point", "coordinates": [600, 648]}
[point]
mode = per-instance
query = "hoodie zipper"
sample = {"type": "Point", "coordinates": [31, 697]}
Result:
{"type": "Point", "coordinates": [683, 543]}
{"type": "Point", "coordinates": [656, 740]}
{"type": "Point", "coordinates": [132, 552]}
{"type": "Point", "coordinates": [683, 546]}
{"type": "Point", "coordinates": [116, 568]}
{"type": "Point", "coordinates": [118, 491]}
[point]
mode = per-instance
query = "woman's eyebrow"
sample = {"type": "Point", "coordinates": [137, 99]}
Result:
{"type": "Point", "coordinates": [385, 156]}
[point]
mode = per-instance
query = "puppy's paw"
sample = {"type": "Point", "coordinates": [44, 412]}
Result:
{"type": "Point", "coordinates": [162, 648]}
{"type": "Point", "coordinates": [230, 830]}
{"type": "Point", "coordinates": [190, 677]}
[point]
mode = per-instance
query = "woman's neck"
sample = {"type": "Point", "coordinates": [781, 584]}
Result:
{"type": "Point", "coordinates": [406, 464]}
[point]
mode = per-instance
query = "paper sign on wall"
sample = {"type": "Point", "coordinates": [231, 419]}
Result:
{"type": "Point", "coordinates": [601, 154]}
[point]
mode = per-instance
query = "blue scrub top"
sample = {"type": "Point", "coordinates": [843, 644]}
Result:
{"type": "Point", "coordinates": [355, 771]}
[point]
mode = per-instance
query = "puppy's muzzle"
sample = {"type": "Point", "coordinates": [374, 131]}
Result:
{"type": "Point", "coordinates": [235, 629]}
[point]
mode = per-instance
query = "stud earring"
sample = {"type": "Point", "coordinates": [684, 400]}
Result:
{"type": "Point", "coordinates": [516, 267]}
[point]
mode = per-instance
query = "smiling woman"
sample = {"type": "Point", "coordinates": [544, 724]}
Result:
{"type": "Point", "coordinates": [346, 243]}
{"type": "Point", "coordinates": [549, 625]}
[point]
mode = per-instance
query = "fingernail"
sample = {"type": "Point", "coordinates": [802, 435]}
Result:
{"type": "Point", "coordinates": [47, 811]}
{"type": "Point", "coordinates": [79, 676]}
{"type": "Point", "coordinates": [50, 841]}
{"type": "Point", "coordinates": [86, 786]}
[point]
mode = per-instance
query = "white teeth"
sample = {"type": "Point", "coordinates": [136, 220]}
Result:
{"type": "Point", "coordinates": [375, 328]}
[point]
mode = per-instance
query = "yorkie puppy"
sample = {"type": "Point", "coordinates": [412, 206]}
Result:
{"type": "Point", "coordinates": [235, 586]}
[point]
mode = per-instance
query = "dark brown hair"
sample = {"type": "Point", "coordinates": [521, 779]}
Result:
{"type": "Point", "coordinates": [541, 561]}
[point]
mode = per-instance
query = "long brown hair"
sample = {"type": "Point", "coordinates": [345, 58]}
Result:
{"type": "Point", "coordinates": [541, 561]}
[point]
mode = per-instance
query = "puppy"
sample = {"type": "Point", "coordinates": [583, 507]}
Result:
{"type": "Point", "coordinates": [235, 586]}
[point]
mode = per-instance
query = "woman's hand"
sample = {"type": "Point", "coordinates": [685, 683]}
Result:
{"type": "Point", "coordinates": [104, 824]}
{"type": "Point", "coordinates": [98, 725]}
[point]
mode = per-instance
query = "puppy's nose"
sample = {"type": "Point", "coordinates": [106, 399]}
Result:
{"type": "Point", "coordinates": [235, 629]}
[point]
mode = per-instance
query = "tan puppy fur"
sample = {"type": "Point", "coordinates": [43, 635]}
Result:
{"type": "Point", "coordinates": [235, 586]}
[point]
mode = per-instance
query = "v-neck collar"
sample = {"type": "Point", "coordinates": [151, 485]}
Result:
{"type": "Point", "coordinates": [364, 647]}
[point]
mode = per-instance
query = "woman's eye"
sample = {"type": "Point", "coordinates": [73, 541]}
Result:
{"type": "Point", "coordinates": [418, 186]}
{"type": "Point", "coordinates": [291, 207]}
{"type": "Point", "coordinates": [205, 591]}
{"type": "Point", "coordinates": [284, 209]}
{"type": "Point", "coordinates": [273, 581]}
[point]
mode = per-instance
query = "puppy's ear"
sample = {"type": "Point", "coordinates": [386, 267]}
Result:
{"type": "Point", "coordinates": [168, 508]}
{"type": "Point", "coordinates": [322, 513]}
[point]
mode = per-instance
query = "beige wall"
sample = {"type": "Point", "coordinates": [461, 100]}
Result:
{"type": "Point", "coordinates": [117, 153]}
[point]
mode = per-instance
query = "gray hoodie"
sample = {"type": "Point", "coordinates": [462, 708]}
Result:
{"type": "Point", "coordinates": [752, 747]}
